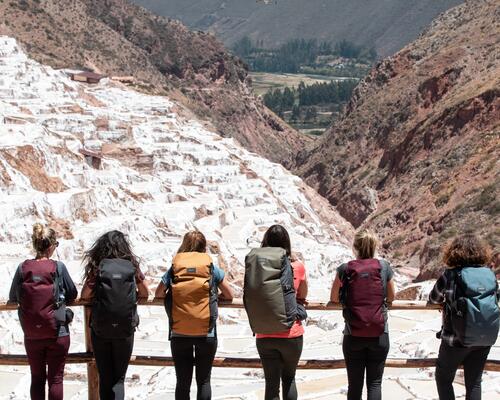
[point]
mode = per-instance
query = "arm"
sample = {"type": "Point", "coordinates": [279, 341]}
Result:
{"type": "Point", "coordinates": [303, 289]}
{"type": "Point", "coordinates": [87, 293]}
{"type": "Point", "coordinates": [437, 294]}
{"type": "Point", "coordinates": [161, 291]}
{"type": "Point", "coordinates": [142, 290]}
{"type": "Point", "coordinates": [391, 291]}
{"type": "Point", "coordinates": [15, 287]}
{"type": "Point", "coordinates": [225, 291]}
{"type": "Point", "coordinates": [69, 287]}
{"type": "Point", "coordinates": [335, 291]}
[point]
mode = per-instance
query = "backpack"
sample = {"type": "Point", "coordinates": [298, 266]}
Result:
{"type": "Point", "coordinates": [268, 291]}
{"type": "Point", "coordinates": [473, 311]}
{"type": "Point", "coordinates": [191, 302]}
{"type": "Point", "coordinates": [114, 306]}
{"type": "Point", "coordinates": [363, 297]}
{"type": "Point", "coordinates": [42, 309]}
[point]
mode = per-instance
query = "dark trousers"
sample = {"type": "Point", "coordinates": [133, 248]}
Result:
{"type": "Point", "coordinates": [112, 357]}
{"type": "Point", "coordinates": [193, 352]}
{"type": "Point", "coordinates": [365, 354]}
{"type": "Point", "coordinates": [449, 359]}
{"type": "Point", "coordinates": [47, 358]}
{"type": "Point", "coordinates": [280, 357]}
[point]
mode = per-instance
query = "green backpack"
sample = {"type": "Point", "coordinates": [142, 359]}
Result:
{"type": "Point", "coordinates": [268, 291]}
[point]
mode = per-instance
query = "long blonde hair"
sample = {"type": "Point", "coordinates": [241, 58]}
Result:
{"type": "Point", "coordinates": [193, 241]}
{"type": "Point", "coordinates": [365, 243]}
{"type": "Point", "coordinates": [42, 238]}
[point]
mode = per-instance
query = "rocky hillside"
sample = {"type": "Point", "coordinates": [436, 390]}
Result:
{"type": "Point", "coordinates": [416, 155]}
{"type": "Point", "coordinates": [87, 158]}
{"type": "Point", "coordinates": [388, 25]}
{"type": "Point", "coordinates": [117, 38]}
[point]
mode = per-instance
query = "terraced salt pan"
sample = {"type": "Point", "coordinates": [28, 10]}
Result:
{"type": "Point", "coordinates": [196, 179]}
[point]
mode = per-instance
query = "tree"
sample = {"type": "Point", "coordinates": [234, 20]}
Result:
{"type": "Point", "coordinates": [311, 114]}
{"type": "Point", "coordinates": [295, 113]}
{"type": "Point", "coordinates": [243, 47]}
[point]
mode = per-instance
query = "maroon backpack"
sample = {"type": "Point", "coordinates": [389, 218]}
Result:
{"type": "Point", "coordinates": [37, 307]}
{"type": "Point", "coordinates": [363, 297]}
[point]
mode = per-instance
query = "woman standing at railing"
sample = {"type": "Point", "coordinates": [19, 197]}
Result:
{"type": "Point", "coordinates": [190, 289]}
{"type": "Point", "coordinates": [364, 286]}
{"type": "Point", "coordinates": [274, 292]}
{"type": "Point", "coordinates": [469, 291]}
{"type": "Point", "coordinates": [114, 281]}
{"type": "Point", "coordinates": [42, 287]}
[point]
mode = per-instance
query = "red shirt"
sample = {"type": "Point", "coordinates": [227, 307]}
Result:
{"type": "Point", "coordinates": [299, 275]}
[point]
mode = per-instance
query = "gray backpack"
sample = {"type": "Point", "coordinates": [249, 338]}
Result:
{"type": "Point", "coordinates": [268, 292]}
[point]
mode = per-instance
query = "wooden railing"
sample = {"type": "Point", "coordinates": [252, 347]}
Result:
{"type": "Point", "coordinates": [226, 362]}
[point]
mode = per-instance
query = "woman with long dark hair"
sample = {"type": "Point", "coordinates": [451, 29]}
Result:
{"type": "Point", "coordinates": [190, 288]}
{"type": "Point", "coordinates": [280, 351]}
{"type": "Point", "coordinates": [467, 280]}
{"type": "Point", "coordinates": [114, 281]}
{"type": "Point", "coordinates": [42, 287]}
{"type": "Point", "coordinates": [365, 287]}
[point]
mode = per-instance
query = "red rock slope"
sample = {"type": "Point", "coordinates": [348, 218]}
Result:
{"type": "Point", "coordinates": [416, 154]}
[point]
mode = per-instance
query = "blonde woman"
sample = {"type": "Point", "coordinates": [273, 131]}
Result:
{"type": "Point", "coordinates": [364, 286]}
{"type": "Point", "coordinates": [41, 287]}
{"type": "Point", "coordinates": [190, 289]}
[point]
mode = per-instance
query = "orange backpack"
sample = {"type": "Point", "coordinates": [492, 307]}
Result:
{"type": "Point", "coordinates": [191, 302]}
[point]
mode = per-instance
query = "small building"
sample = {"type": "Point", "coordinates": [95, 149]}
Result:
{"type": "Point", "coordinates": [86, 76]}
{"type": "Point", "coordinates": [93, 158]}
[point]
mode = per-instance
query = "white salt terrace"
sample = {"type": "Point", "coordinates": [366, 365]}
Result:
{"type": "Point", "coordinates": [196, 180]}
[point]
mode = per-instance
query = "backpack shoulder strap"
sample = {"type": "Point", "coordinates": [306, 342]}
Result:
{"type": "Point", "coordinates": [384, 272]}
{"type": "Point", "coordinates": [59, 292]}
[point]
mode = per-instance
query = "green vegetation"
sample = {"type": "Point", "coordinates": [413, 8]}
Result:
{"type": "Point", "coordinates": [328, 75]}
{"type": "Point", "coordinates": [310, 107]}
{"type": "Point", "coordinates": [307, 56]}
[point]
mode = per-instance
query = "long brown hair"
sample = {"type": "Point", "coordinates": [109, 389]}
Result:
{"type": "Point", "coordinates": [465, 250]}
{"type": "Point", "coordinates": [365, 244]}
{"type": "Point", "coordinates": [113, 244]}
{"type": "Point", "coordinates": [193, 241]}
{"type": "Point", "coordinates": [277, 236]}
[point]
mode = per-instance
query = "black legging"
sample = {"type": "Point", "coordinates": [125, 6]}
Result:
{"type": "Point", "coordinates": [362, 354]}
{"type": "Point", "coordinates": [280, 357]}
{"type": "Point", "coordinates": [188, 353]}
{"type": "Point", "coordinates": [449, 359]}
{"type": "Point", "coordinates": [112, 357]}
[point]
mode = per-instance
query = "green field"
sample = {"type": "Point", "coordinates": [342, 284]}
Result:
{"type": "Point", "coordinates": [263, 81]}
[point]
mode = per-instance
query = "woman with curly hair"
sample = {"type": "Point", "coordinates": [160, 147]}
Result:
{"type": "Point", "coordinates": [469, 292]}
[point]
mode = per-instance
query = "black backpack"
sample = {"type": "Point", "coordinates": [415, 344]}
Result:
{"type": "Point", "coordinates": [114, 308]}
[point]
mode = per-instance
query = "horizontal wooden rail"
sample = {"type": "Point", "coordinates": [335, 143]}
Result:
{"type": "Point", "coordinates": [238, 303]}
{"type": "Point", "coordinates": [229, 362]}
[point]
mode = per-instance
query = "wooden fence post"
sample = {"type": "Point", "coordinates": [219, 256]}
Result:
{"type": "Point", "coordinates": [92, 376]}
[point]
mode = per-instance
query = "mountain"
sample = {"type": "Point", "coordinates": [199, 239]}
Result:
{"type": "Point", "coordinates": [416, 154]}
{"type": "Point", "coordinates": [88, 158]}
{"type": "Point", "coordinates": [388, 25]}
{"type": "Point", "coordinates": [115, 37]}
